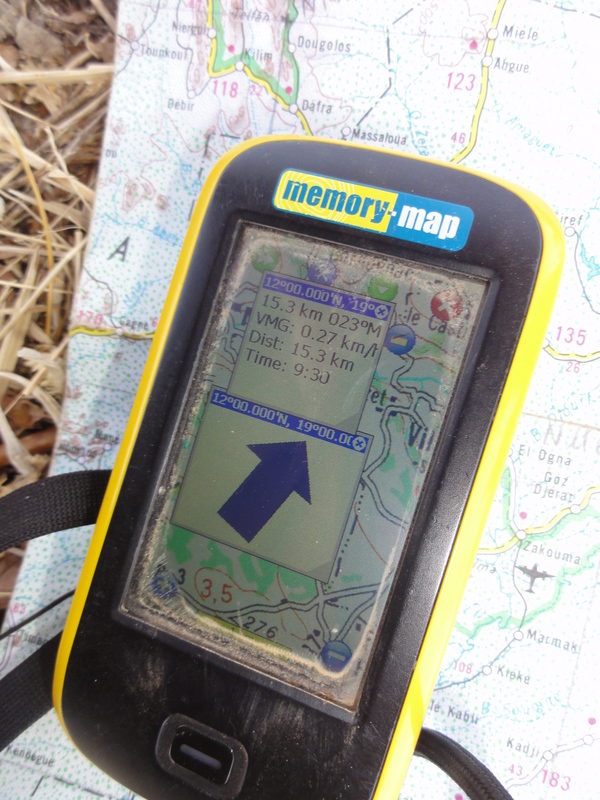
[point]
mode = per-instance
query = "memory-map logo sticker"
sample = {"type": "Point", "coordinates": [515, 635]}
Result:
{"type": "Point", "coordinates": [403, 216]}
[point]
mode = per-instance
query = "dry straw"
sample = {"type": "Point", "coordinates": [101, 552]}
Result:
{"type": "Point", "coordinates": [55, 73]}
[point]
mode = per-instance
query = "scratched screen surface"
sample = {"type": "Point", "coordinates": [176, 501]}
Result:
{"type": "Point", "coordinates": [311, 424]}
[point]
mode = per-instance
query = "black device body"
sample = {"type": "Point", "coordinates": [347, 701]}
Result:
{"type": "Point", "coordinates": [124, 682]}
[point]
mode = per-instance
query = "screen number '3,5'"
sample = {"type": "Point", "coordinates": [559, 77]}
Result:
{"type": "Point", "coordinates": [207, 591]}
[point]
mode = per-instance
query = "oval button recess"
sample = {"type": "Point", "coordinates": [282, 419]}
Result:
{"type": "Point", "coordinates": [202, 757]}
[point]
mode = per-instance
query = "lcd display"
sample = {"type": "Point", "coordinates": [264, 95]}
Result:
{"type": "Point", "coordinates": [310, 427]}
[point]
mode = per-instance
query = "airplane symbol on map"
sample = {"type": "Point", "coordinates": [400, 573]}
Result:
{"type": "Point", "coordinates": [533, 574]}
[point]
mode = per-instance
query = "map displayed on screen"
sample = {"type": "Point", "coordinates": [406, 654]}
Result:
{"type": "Point", "coordinates": [321, 392]}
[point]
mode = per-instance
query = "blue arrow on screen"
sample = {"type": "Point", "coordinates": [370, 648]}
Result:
{"type": "Point", "coordinates": [283, 469]}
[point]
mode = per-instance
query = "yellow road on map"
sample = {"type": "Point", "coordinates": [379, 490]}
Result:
{"type": "Point", "coordinates": [485, 71]}
{"type": "Point", "coordinates": [82, 329]}
{"type": "Point", "coordinates": [214, 73]}
{"type": "Point", "coordinates": [571, 356]}
{"type": "Point", "coordinates": [541, 529]}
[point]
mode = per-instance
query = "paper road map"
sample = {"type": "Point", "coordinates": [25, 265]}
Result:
{"type": "Point", "coordinates": [507, 87]}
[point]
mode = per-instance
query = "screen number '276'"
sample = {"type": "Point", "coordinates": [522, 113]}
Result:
{"type": "Point", "coordinates": [258, 626]}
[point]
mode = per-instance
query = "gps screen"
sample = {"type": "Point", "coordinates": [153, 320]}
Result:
{"type": "Point", "coordinates": [310, 427]}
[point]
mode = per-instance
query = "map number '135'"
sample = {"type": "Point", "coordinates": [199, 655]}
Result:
{"type": "Point", "coordinates": [568, 335]}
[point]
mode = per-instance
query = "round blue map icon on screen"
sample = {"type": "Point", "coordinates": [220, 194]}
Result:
{"type": "Point", "coordinates": [322, 272]}
{"type": "Point", "coordinates": [400, 339]}
{"type": "Point", "coordinates": [164, 583]}
{"type": "Point", "coordinates": [335, 655]}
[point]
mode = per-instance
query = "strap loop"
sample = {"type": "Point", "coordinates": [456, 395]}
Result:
{"type": "Point", "coordinates": [52, 504]}
{"type": "Point", "coordinates": [468, 772]}
{"type": "Point", "coordinates": [74, 499]}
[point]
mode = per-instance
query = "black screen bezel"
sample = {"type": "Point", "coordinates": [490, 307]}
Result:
{"type": "Point", "coordinates": [173, 431]}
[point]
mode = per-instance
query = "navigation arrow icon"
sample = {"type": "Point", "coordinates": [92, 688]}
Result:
{"type": "Point", "coordinates": [283, 469]}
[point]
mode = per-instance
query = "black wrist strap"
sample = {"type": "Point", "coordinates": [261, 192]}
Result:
{"type": "Point", "coordinates": [72, 500]}
{"type": "Point", "coordinates": [468, 772]}
{"type": "Point", "coordinates": [26, 692]}
{"type": "Point", "coordinates": [52, 504]}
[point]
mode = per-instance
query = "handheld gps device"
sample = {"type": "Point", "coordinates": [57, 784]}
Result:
{"type": "Point", "coordinates": [309, 463]}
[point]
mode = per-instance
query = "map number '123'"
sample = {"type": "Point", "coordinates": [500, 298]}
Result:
{"type": "Point", "coordinates": [459, 81]}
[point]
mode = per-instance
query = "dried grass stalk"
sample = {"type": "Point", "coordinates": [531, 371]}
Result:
{"type": "Point", "coordinates": [55, 73]}
{"type": "Point", "coordinates": [57, 77]}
